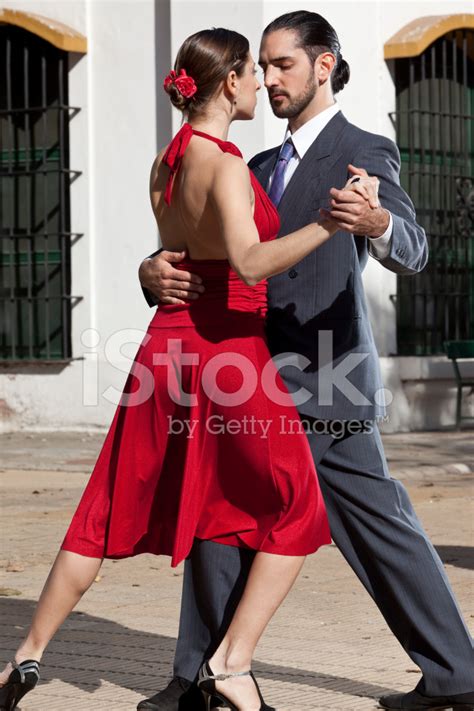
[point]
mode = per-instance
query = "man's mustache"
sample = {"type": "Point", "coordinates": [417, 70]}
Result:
{"type": "Point", "coordinates": [272, 94]}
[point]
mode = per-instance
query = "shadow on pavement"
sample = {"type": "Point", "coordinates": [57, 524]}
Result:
{"type": "Point", "coordinates": [89, 650]}
{"type": "Point", "coordinates": [460, 556]}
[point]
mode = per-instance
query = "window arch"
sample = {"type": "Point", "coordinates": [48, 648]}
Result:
{"type": "Point", "coordinates": [433, 69]}
{"type": "Point", "coordinates": [35, 231]}
{"type": "Point", "coordinates": [52, 31]}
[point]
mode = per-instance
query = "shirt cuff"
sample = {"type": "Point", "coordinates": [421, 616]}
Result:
{"type": "Point", "coordinates": [379, 247]}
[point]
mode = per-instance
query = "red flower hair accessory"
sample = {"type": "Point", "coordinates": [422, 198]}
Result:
{"type": "Point", "coordinates": [184, 84]}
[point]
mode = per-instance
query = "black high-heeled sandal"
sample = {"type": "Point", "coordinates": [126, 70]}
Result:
{"type": "Point", "coordinates": [22, 679]}
{"type": "Point", "coordinates": [207, 684]}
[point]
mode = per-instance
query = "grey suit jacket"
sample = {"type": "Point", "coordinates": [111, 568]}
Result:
{"type": "Point", "coordinates": [317, 309]}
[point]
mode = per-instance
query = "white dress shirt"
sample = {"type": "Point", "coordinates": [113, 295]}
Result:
{"type": "Point", "coordinates": [379, 247]}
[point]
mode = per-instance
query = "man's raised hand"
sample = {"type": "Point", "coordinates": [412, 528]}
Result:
{"type": "Point", "coordinates": [356, 208]}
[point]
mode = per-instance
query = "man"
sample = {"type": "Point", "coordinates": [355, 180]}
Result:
{"type": "Point", "coordinates": [318, 311]}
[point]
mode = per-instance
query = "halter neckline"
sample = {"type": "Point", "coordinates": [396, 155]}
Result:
{"type": "Point", "coordinates": [177, 148]}
{"type": "Point", "coordinates": [210, 137]}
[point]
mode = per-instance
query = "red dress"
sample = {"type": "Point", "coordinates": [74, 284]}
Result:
{"type": "Point", "coordinates": [201, 444]}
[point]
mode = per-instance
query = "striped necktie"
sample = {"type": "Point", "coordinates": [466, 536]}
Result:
{"type": "Point", "coordinates": [278, 182]}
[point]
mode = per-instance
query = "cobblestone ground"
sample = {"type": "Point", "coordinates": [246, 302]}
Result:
{"type": "Point", "coordinates": [328, 646]}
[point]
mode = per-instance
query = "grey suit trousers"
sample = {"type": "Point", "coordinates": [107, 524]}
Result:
{"type": "Point", "coordinates": [377, 530]}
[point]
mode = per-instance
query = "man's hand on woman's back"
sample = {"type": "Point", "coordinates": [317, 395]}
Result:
{"type": "Point", "coordinates": [167, 284]}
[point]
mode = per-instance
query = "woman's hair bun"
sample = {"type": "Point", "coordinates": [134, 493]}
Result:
{"type": "Point", "coordinates": [177, 98]}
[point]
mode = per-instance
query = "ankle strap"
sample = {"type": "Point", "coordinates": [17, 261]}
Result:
{"type": "Point", "coordinates": [206, 673]}
{"type": "Point", "coordinates": [29, 666]}
{"type": "Point", "coordinates": [223, 677]}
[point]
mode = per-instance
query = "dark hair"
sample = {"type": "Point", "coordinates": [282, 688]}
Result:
{"type": "Point", "coordinates": [316, 36]}
{"type": "Point", "coordinates": [208, 57]}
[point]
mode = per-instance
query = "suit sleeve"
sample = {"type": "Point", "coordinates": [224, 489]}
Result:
{"type": "Point", "coordinates": [408, 252]}
{"type": "Point", "coordinates": [150, 299]}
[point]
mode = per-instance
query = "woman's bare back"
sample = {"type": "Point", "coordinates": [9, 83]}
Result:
{"type": "Point", "coordinates": [191, 222]}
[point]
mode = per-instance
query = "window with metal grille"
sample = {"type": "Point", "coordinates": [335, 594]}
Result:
{"type": "Point", "coordinates": [435, 134]}
{"type": "Point", "coordinates": [35, 236]}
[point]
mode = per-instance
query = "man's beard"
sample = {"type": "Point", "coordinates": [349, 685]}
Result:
{"type": "Point", "coordinates": [298, 104]}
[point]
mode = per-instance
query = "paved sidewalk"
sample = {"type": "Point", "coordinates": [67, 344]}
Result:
{"type": "Point", "coordinates": [328, 646]}
{"type": "Point", "coordinates": [416, 455]}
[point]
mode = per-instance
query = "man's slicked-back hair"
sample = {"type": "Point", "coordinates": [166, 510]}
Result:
{"type": "Point", "coordinates": [315, 36]}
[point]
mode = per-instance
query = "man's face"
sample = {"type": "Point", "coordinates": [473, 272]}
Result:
{"type": "Point", "coordinates": [288, 73]}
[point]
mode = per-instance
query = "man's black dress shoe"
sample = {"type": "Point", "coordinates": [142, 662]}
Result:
{"type": "Point", "coordinates": [179, 695]}
{"type": "Point", "coordinates": [414, 701]}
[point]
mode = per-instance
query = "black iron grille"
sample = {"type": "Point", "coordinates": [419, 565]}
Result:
{"type": "Point", "coordinates": [435, 134]}
{"type": "Point", "coordinates": [35, 233]}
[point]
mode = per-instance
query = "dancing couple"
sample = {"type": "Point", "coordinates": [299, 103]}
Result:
{"type": "Point", "coordinates": [242, 511]}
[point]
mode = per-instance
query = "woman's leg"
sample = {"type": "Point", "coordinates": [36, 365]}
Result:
{"type": "Point", "coordinates": [68, 580]}
{"type": "Point", "coordinates": [270, 579]}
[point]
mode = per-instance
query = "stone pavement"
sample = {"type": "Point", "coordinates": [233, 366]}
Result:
{"type": "Point", "coordinates": [328, 646]}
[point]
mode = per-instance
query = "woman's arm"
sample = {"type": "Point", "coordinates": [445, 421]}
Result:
{"type": "Point", "coordinates": [251, 259]}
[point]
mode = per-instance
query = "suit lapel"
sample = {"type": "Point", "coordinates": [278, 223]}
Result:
{"type": "Point", "coordinates": [306, 179]}
{"type": "Point", "coordinates": [317, 161]}
{"type": "Point", "coordinates": [264, 169]}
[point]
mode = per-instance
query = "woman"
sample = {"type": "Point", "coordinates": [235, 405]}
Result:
{"type": "Point", "coordinates": [181, 460]}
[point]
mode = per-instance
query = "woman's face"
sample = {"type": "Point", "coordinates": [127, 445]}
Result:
{"type": "Point", "coordinates": [248, 87]}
